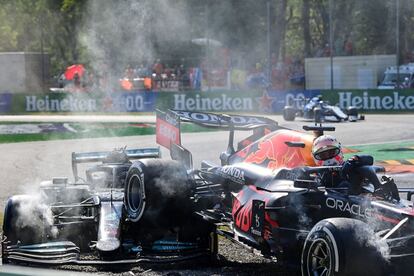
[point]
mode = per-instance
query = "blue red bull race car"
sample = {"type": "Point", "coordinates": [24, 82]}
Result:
{"type": "Point", "coordinates": [266, 194]}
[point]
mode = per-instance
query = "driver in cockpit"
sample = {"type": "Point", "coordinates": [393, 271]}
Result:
{"type": "Point", "coordinates": [327, 151]}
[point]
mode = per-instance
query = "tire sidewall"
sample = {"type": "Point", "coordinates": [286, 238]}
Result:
{"type": "Point", "coordinates": [319, 233]}
{"type": "Point", "coordinates": [351, 251]}
{"type": "Point", "coordinates": [135, 173]}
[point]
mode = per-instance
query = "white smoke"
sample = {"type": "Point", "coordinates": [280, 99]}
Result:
{"type": "Point", "coordinates": [117, 33]}
{"type": "Point", "coordinates": [35, 214]}
{"type": "Point", "coordinates": [368, 237]}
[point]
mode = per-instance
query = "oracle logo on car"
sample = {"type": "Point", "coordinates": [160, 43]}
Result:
{"type": "Point", "coordinates": [345, 206]}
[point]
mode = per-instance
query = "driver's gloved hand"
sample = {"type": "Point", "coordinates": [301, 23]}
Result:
{"type": "Point", "coordinates": [348, 166]}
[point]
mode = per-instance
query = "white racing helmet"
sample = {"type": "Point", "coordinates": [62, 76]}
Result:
{"type": "Point", "coordinates": [327, 151]}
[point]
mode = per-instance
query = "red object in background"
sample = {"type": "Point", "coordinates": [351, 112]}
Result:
{"type": "Point", "coordinates": [73, 69]}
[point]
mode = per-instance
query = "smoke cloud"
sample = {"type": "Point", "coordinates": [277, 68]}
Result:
{"type": "Point", "coordinates": [117, 33]}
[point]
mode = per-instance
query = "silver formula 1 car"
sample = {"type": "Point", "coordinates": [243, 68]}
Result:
{"type": "Point", "coordinates": [317, 110]}
{"type": "Point", "coordinates": [130, 207]}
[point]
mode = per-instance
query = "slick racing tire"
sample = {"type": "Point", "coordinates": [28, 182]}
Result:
{"type": "Point", "coordinates": [318, 115]}
{"type": "Point", "coordinates": [24, 221]}
{"type": "Point", "coordinates": [289, 113]}
{"type": "Point", "coordinates": [352, 114]}
{"type": "Point", "coordinates": [158, 192]}
{"type": "Point", "coordinates": [343, 246]}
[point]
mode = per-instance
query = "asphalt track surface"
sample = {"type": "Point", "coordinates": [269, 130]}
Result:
{"type": "Point", "coordinates": [25, 165]}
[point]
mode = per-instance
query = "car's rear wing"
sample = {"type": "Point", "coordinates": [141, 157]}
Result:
{"type": "Point", "coordinates": [225, 121]}
{"type": "Point", "coordinates": [168, 127]}
{"type": "Point", "coordinates": [99, 156]}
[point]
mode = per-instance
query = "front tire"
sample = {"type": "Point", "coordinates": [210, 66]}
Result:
{"type": "Point", "coordinates": [342, 246]}
{"type": "Point", "coordinates": [25, 221]}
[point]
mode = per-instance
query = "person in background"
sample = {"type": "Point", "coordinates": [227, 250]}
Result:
{"type": "Point", "coordinates": [157, 70]}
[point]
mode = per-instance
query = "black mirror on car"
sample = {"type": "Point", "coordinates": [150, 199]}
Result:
{"type": "Point", "coordinates": [365, 160]}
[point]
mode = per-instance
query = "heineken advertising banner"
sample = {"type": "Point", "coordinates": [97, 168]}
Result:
{"type": "Point", "coordinates": [373, 100]}
{"type": "Point", "coordinates": [231, 101]}
{"type": "Point", "coordinates": [85, 102]}
{"type": "Point", "coordinates": [214, 101]}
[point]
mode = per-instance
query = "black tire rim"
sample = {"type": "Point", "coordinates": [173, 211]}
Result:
{"type": "Point", "coordinates": [136, 197]}
{"type": "Point", "coordinates": [319, 259]}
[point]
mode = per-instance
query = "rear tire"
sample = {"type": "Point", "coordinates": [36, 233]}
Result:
{"type": "Point", "coordinates": [352, 114]}
{"type": "Point", "coordinates": [157, 190]}
{"type": "Point", "coordinates": [342, 246]}
{"type": "Point", "coordinates": [289, 113]}
{"type": "Point", "coordinates": [158, 205]}
{"type": "Point", "coordinates": [318, 115]}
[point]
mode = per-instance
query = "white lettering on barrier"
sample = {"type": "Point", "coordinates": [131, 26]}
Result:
{"type": "Point", "coordinates": [70, 103]}
{"type": "Point", "coordinates": [219, 103]}
{"type": "Point", "coordinates": [135, 102]}
{"type": "Point", "coordinates": [394, 101]}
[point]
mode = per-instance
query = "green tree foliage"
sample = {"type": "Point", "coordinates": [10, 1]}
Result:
{"type": "Point", "coordinates": [120, 32]}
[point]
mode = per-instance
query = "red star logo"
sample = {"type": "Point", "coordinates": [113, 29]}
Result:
{"type": "Point", "coordinates": [265, 102]}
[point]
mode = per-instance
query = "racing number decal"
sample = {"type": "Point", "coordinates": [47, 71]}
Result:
{"type": "Point", "coordinates": [256, 227]}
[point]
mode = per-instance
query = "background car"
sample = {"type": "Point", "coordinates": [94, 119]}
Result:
{"type": "Point", "coordinates": [319, 111]}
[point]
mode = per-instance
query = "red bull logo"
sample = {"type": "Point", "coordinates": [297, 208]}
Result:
{"type": "Point", "coordinates": [272, 152]}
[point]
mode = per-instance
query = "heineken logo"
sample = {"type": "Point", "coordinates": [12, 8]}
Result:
{"type": "Point", "coordinates": [70, 103]}
{"type": "Point", "coordinates": [393, 101]}
{"type": "Point", "coordinates": [218, 103]}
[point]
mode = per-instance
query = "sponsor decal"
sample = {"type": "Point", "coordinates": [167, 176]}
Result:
{"type": "Point", "coordinates": [234, 174]}
{"type": "Point", "coordinates": [217, 119]}
{"type": "Point", "coordinates": [350, 208]}
{"type": "Point", "coordinates": [218, 103]}
{"type": "Point", "coordinates": [167, 129]}
{"type": "Point", "coordinates": [392, 101]}
{"type": "Point", "coordinates": [266, 102]}
{"type": "Point", "coordinates": [258, 218]}
{"type": "Point", "coordinates": [69, 103]}
{"type": "Point", "coordinates": [132, 102]}
{"type": "Point", "coordinates": [272, 152]}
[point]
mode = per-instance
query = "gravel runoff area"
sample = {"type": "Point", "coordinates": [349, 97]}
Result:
{"type": "Point", "coordinates": [233, 260]}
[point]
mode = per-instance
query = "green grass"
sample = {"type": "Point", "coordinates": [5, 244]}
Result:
{"type": "Point", "coordinates": [388, 151]}
{"type": "Point", "coordinates": [93, 130]}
